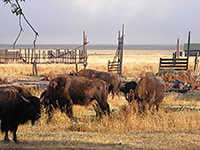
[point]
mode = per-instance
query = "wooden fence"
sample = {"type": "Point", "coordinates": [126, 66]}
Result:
{"type": "Point", "coordinates": [113, 66]}
{"type": "Point", "coordinates": [30, 56]}
{"type": "Point", "coordinates": [173, 63]}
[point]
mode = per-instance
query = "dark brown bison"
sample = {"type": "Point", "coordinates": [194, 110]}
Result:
{"type": "Point", "coordinates": [126, 87]}
{"type": "Point", "coordinates": [65, 91]}
{"type": "Point", "coordinates": [112, 79]}
{"type": "Point", "coordinates": [17, 106]}
{"type": "Point", "coordinates": [149, 92]}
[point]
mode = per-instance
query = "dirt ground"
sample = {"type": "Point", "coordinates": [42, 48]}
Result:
{"type": "Point", "coordinates": [95, 141]}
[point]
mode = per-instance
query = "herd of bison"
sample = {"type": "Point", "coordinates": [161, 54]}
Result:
{"type": "Point", "coordinates": [17, 105]}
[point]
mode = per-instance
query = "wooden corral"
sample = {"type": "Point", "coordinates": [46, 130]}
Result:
{"type": "Point", "coordinates": [116, 64]}
{"type": "Point", "coordinates": [173, 63]}
{"type": "Point", "coordinates": [176, 63]}
{"type": "Point", "coordinates": [29, 56]}
{"type": "Point", "coordinates": [51, 56]}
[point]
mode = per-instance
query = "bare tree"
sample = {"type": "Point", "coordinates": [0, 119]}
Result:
{"type": "Point", "coordinates": [17, 10]}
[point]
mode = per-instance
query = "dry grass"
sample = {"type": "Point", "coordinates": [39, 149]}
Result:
{"type": "Point", "coordinates": [123, 129]}
{"type": "Point", "coordinates": [134, 62]}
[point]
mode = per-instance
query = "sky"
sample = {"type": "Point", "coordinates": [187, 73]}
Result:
{"type": "Point", "coordinates": [63, 21]}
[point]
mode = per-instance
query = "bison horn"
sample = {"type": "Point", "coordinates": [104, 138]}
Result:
{"type": "Point", "coordinates": [41, 99]}
{"type": "Point", "coordinates": [26, 100]}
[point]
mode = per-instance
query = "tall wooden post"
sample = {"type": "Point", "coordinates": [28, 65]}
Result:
{"type": "Point", "coordinates": [43, 54]}
{"type": "Point", "coordinates": [121, 48]}
{"type": "Point", "coordinates": [32, 52]}
{"type": "Point", "coordinates": [178, 48]}
{"type": "Point", "coordinates": [196, 62]}
{"type": "Point", "coordinates": [25, 55]}
{"type": "Point", "coordinates": [39, 56]}
{"type": "Point", "coordinates": [84, 49]}
{"type": "Point", "coordinates": [20, 55]}
{"type": "Point", "coordinates": [116, 64]}
{"type": "Point", "coordinates": [6, 56]}
{"type": "Point", "coordinates": [76, 60]}
{"type": "Point", "coordinates": [188, 52]}
{"type": "Point", "coordinates": [28, 55]}
{"type": "Point", "coordinates": [34, 61]}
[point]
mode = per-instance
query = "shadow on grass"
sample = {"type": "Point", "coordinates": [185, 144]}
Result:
{"type": "Point", "coordinates": [74, 145]}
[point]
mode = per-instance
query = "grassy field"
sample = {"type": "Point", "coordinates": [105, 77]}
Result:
{"type": "Point", "coordinates": [179, 129]}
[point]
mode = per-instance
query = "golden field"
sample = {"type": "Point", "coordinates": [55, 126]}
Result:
{"type": "Point", "coordinates": [135, 62]}
{"type": "Point", "coordinates": [123, 129]}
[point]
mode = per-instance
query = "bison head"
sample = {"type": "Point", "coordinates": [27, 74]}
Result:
{"type": "Point", "coordinates": [45, 99]}
{"type": "Point", "coordinates": [33, 108]}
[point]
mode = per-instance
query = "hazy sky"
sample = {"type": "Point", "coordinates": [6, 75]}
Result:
{"type": "Point", "coordinates": [63, 21]}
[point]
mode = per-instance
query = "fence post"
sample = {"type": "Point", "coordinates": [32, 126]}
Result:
{"type": "Point", "coordinates": [76, 60]}
{"type": "Point", "coordinates": [178, 48]}
{"type": "Point", "coordinates": [174, 58]}
{"type": "Point", "coordinates": [85, 49]}
{"type": "Point", "coordinates": [160, 64]}
{"type": "Point", "coordinates": [6, 55]}
{"type": "Point", "coordinates": [28, 55]}
{"type": "Point", "coordinates": [196, 61]}
{"type": "Point", "coordinates": [188, 52]}
{"type": "Point", "coordinates": [65, 56]}
{"type": "Point", "coordinates": [35, 68]}
{"type": "Point", "coordinates": [20, 55]}
{"type": "Point", "coordinates": [0, 55]}
{"type": "Point", "coordinates": [32, 56]}
{"type": "Point", "coordinates": [43, 56]}
{"type": "Point", "coordinates": [39, 56]}
{"type": "Point", "coordinates": [108, 65]}
{"type": "Point", "coordinates": [25, 57]}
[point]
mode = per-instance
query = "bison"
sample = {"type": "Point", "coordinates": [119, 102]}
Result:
{"type": "Point", "coordinates": [17, 106]}
{"type": "Point", "coordinates": [126, 87]}
{"type": "Point", "coordinates": [149, 92]}
{"type": "Point", "coordinates": [112, 79]}
{"type": "Point", "coordinates": [65, 91]}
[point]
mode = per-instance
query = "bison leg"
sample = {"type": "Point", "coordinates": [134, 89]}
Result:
{"type": "Point", "coordinates": [14, 134]}
{"type": "Point", "coordinates": [5, 127]}
{"type": "Point", "coordinates": [69, 111]}
{"type": "Point", "coordinates": [6, 139]}
{"type": "Point", "coordinates": [145, 106]}
{"type": "Point", "coordinates": [113, 94]}
{"type": "Point", "coordinates": [15, 137]}
{"type": "Point", "coordinates": [151, 107]}
{"type": "Point", "coordinates": [157, 106]}
{"type": "Point", "coordinates": [105, 108]}
{"type": "Point", "coordinates": [50, 115]}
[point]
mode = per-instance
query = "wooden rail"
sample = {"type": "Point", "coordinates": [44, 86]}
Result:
{"type": "Point", "coordinates": [113, 66]}
{"type": "Point", "coordinates": [173, 63]}
{"type": "Point", "coordinates": [29, 56]}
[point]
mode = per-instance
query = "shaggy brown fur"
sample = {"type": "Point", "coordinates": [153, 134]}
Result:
{"type": "Point", "coordinates": [69, 90]}
{"type": "Point", "coordinates": [149, 92]}
{"type": "Point", "coordinates": [112, 79]}
{"type": "Point", "coordinates": [17, 106]}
